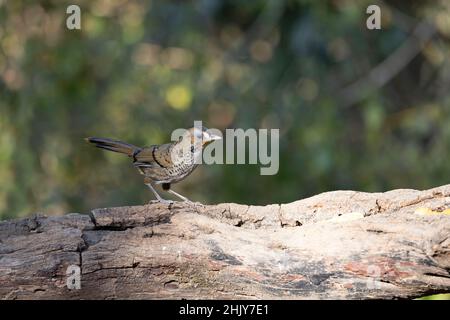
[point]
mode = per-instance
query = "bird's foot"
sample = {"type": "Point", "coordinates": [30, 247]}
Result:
{"type": "Point", "coordinates": [193, 203]}
{"type": "Point", "coordinates": [162, 201]}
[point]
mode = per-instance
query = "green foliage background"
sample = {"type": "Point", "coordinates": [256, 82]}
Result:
{"type": "Point", "coordinates": [139, 69]}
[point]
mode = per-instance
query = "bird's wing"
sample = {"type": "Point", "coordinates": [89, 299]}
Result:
{"type": "Point", "coordinates": [144, 158]}
{"type": "Point", "coordinates": [162, 155]}
{"type": "Point", "coordinates": [154, 156]}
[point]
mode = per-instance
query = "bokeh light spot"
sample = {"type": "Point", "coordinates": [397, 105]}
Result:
{"type": "Point", "coordinates": [179, 97]}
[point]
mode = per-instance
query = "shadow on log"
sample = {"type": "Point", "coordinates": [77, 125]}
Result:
{"type": "Point", "coordinates": [336, 245]}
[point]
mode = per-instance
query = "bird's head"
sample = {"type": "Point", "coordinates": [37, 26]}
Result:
{"type": "Point", "coordinates": [200, 136]}
{"type": "Point", "coordinates": [190, 144]}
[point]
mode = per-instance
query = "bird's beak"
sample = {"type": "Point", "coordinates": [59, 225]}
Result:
{"type": "Point", "coordinates": [213, 137]}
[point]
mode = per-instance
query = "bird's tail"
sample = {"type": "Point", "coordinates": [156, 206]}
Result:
{"type": "Point", "coordinates": [114, 145]}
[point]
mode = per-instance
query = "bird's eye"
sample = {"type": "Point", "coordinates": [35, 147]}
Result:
{"type": "Point", "coordinates": [192, 149]}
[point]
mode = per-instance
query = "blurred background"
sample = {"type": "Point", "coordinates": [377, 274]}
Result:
{"type": "Point", "coordinates": [357, 109]}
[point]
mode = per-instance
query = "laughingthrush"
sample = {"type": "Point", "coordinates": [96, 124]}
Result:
{"type": "Point", "coordinates": [166, 163]}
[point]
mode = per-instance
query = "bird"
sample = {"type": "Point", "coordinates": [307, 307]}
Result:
{"type": "Point", "coordinates": [163, 164]}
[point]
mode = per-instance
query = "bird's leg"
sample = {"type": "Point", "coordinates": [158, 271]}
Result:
{"type": "Point", "coordinates": [166, 187]}
{"type": "Point", "coordinates": [160, 199]}
{"type": "Point", "coordinates": [179, 195]}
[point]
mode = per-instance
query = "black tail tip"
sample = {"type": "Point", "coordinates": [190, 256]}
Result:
{"type": "Point", "coordinates": [91, 139]}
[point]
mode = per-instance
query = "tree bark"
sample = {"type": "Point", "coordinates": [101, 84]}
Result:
{"type": "Point", "coordinates": [336, 245]}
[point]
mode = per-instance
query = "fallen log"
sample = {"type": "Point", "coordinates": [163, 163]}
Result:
{"type": "Point", "coordinates": [336, 245]}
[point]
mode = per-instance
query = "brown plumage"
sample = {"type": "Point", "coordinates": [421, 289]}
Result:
{"type": "Point", "coordinates": [163, 164]}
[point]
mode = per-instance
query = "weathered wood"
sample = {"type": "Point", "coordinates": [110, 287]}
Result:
{"type": "Point", "coordinates": [337, 245]}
